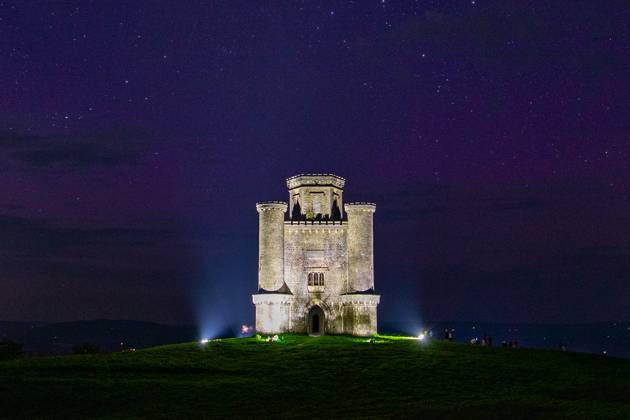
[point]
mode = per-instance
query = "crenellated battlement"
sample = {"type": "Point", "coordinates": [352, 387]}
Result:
{"type": "Point", "coordinates": [360, 206]}
{"type": "Point", "coordinates": [315, 180]}
{"type": "Point", "coordinates": [316, 222]}
{"type": "Point", "coordinates": [271, 205]}
{"type": "Point", "coordinates": [315, 228]}
{"type": "Point", "coordinates": [360, 203]}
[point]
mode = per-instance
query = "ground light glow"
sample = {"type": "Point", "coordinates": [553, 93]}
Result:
{"type": "Point", "coordinates": [270, 339]}
{"type": "Point", "coordinates": [204, 341]}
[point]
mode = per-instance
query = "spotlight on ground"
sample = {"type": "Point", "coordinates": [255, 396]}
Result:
{"type": "Point", "coordinates": [247, 329]}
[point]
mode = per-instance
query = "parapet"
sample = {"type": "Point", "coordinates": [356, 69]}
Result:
{"type": "Point", "coordinates": [360, 299]}
{"type": "Point", "coordinates": [315, 180]}
{"type": "Point", "coordinates": [271, 205]}
{"type": "Point", "coordinates": [273, 299]}
{"type": "Point", "coordinates": [360, 206]}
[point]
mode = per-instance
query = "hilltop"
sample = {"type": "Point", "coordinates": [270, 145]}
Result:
{"type": "Point", "coordinates": [331, 376]}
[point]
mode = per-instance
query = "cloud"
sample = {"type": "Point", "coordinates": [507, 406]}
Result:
{"type": "Point", "coordinates": [156, 245]}
{"type": "Point", "coordinates": [33, 242]}
{"type": "Point", "coordinates": [113, 147]}
{"type": "Point", "coordinates": [72, 271]}
{"type": "Point", "coordinates": [47, 235]}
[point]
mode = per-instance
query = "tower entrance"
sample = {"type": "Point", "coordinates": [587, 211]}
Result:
{"type": "Point", "coordinates": [316, 321]}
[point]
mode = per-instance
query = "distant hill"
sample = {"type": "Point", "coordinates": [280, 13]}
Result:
{"type": "Point", "coordinates": [325, 377]}
{"type": "Point", "coordinates": [108, 335]}
{"type": "Point", "coordinates": [17, 330]}
{"type": "Point", "coordinates": [610, 338]}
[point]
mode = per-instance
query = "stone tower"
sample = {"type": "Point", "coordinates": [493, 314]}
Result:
{"type": "Point", "coordinates": [316, 261]}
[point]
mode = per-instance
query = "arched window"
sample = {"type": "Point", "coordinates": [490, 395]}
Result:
{"type": "Point", "coordinates": [297, 210]}
{"type": "Point", "coordinates": [315, 279]}
{"type": "Point", "coordinates": [335, 214]}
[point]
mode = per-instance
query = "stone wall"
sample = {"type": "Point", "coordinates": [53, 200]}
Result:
{"type": "Point", "coordinates": [271, 244]}
{"type": "Point", "coordinates": [314, 248]}
{"type": "Point", "coordinates": [273, 313]}
{"type": "Point", "coordinates": [359, 314]}
{"type": "Point", "coordinates": [360, 246]}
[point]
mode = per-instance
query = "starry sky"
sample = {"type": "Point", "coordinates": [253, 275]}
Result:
{"type": "Point", "coordinates": [136, 138]}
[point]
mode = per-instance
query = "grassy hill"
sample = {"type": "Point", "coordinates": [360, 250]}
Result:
{"type": "Point", "coordinates": [329, 376]}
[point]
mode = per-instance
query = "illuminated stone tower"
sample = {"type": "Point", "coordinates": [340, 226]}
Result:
{"type": "Point", "coordinates": [316, 261]}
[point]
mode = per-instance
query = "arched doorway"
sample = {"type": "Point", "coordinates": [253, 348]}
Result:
{"type": "Point", "coordinates": [316, 321]}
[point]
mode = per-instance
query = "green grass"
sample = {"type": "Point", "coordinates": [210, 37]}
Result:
{"type": "Point", "coordinates": [330, 376]}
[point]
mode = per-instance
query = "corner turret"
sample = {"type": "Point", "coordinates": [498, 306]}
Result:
{"type": "Point", "coordinates": [360, 246]}
{"type": "Point", "coordinates": [271, 244]}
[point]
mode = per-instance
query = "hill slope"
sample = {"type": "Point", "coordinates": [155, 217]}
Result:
{"type": "Point", "coordinates": [323, 377]}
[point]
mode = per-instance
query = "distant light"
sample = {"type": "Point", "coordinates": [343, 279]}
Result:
{"type": "Point", "coordinates": [204, 340]}
{"type": "Point", "coordinates": [422, 336]}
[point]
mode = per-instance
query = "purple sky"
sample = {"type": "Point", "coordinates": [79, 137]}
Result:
{"type": "Point", "coordinates": [136, 137]}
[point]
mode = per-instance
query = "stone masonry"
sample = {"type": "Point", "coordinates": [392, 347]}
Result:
{"type": "Point", "coordinates": [316, 261]}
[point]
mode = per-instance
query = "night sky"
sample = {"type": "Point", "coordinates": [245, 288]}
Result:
{"type": "Point", "coordinates": [136, 138]}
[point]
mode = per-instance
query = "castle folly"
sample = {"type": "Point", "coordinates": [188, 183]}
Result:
{"type": "Point", "coordinates": [316, 267]}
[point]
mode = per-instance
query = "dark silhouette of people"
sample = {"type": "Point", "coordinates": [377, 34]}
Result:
{"type": "Point", "coordinates": [450, 334]}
